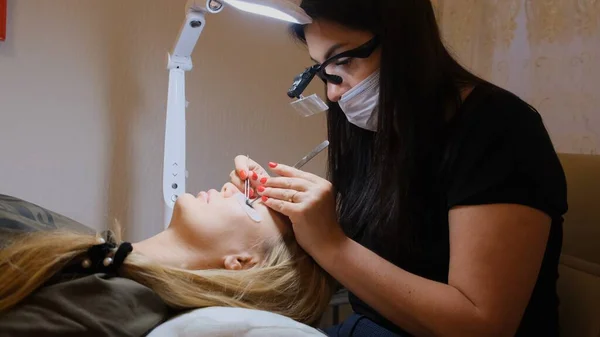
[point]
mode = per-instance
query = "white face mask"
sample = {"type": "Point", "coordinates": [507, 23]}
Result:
{"type": "Point", "coordinates": [361, 103]}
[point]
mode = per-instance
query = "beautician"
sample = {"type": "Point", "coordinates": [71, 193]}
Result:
{"type": "Point", "coordinates": [442, 212]}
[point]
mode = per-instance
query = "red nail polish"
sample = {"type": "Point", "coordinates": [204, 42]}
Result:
{"type": "Point", "coordinates": [251, 193]}
{"type": "Point", "coordinates": [263, 180]}
{"type": "Point", "coordinates": [254, 176]}
{"type": "Point", "coordinates": [264, 198]}
{"type": "Point", "coordinates": [243, 175]}
{"type": "Point", "coordinates": [272, 164]}
{"type": "Point", "coordinates": [261, 189]}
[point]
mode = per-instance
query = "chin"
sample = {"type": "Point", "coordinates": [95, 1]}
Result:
{"type": "Point", "coordinates": [185, 205]}
{"type": "Point", "coordinates": [184, 200]}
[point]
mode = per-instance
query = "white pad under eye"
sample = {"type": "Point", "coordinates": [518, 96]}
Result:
{"type": "Point", "coordinates": [252, 213]}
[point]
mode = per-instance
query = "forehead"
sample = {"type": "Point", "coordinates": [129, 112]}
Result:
{"type": "Point", "coordinates": [326, 38]}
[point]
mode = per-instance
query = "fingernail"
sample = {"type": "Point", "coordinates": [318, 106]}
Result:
{"type": "Point", "coordinates": [243, 174]}
{"type": "Point", "coordinates": [272, 164]}
{"type": "Point", "coordinates": [264, 198]}
{"type": "Point", "coordinates": [254, 176]}
{"type": "Point", "coordinates": [261, 189]}
{"type": "Point", "coordinates": [263, 180]}
{"type": "Point", "coordinates": [251, 193]}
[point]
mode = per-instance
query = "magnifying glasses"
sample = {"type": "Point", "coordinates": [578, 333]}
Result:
{"type": "Point", "coordinates": [302, 81]}
{"type": "Point", "coordinates": [313, 104]}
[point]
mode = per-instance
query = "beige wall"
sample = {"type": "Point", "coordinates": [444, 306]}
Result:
{"type": "Point", "coordinates": [83, 94]}
{"type": "Point", "coordinates": [546, 51]}
{"type": "Point", "coordinates": [83, 89]}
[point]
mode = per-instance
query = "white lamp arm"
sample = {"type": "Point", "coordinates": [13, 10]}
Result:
{"type": "Point", "coordinates": [179, 61]}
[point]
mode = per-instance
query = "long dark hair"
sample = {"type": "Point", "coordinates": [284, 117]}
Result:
{"type": "Point", "coordinates": [382, 179]}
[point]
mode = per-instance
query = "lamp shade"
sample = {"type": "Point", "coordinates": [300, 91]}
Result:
{"type": "Point", "coordinates": [284, 10]}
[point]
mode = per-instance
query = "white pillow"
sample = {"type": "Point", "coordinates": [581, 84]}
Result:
{"type": "Point", "coordinates": [232, 322]}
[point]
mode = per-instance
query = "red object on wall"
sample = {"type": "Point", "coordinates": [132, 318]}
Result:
{"type": "Point", "coordinates": [3, 20]}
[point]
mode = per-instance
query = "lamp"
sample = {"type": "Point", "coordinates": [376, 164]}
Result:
{"type": "Point", "coordinates": [180, 61]}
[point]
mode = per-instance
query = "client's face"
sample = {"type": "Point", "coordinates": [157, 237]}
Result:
{"type": "Point", "coordinates": [218, 224]}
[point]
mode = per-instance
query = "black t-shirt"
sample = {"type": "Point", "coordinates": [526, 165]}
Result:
{"type": "Point", "coordinates": [497, 151]}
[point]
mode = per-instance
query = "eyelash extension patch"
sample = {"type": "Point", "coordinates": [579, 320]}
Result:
{"type": "Point", "coordinates": [252, 213]}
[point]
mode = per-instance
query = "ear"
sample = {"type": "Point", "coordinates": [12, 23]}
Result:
{"type": "Point", "coordinates": [239, 261]}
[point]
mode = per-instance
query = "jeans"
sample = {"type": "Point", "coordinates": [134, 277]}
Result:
{"type": "Point", "coordinates": [359, 326]}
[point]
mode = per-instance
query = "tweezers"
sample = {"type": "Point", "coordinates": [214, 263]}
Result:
{"type": "Point", "coordinates": [312, 154]}
{"type": "Point", "coordinates": [247, 184]}
{"type": "Point", "coordinates": [298, 165]}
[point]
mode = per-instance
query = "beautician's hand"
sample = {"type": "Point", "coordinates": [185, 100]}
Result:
{"type": "Point", "coordinates": [246, 168]}
{"type": "Point", "coordinates": [308, 200]}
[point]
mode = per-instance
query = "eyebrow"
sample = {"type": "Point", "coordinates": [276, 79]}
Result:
{"type": "Point", "coordinates": [330, 52]}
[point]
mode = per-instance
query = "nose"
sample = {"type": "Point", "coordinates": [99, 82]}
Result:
{"type": "Point", "coordinates": [335, 91]}
{"type": "Point", "coordinates": [229, 189]}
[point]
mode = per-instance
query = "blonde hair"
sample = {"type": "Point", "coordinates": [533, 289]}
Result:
{"type": "Point", "coordinates": [288, 281]}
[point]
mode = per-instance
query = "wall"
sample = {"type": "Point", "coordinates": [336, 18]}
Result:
{"type": "Point", "coordinates": [83, 89]}
{"type": "Point", "coordinates": [83, 94]}
{"type": "Point", "coordinates": [55, 122]}
{"type": "Point", "coordinates": [546, 51]}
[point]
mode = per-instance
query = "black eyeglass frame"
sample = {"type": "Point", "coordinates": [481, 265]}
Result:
{"type": "Point", "coordinates": [302, 81]}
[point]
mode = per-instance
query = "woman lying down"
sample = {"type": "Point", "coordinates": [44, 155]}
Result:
{"type": "Point", "coordinates": [215, 252]}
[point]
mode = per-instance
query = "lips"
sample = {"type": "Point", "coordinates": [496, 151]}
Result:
{"type": "Point", "coordinates": [210, 194]}
{"type": "Point", "coordinates": [207, 196]}
{"type": "Point", "coordinates": [204, 196]}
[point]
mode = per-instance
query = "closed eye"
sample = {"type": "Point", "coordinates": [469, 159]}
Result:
{"type": "Point", "coordinates": [250, 211]}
